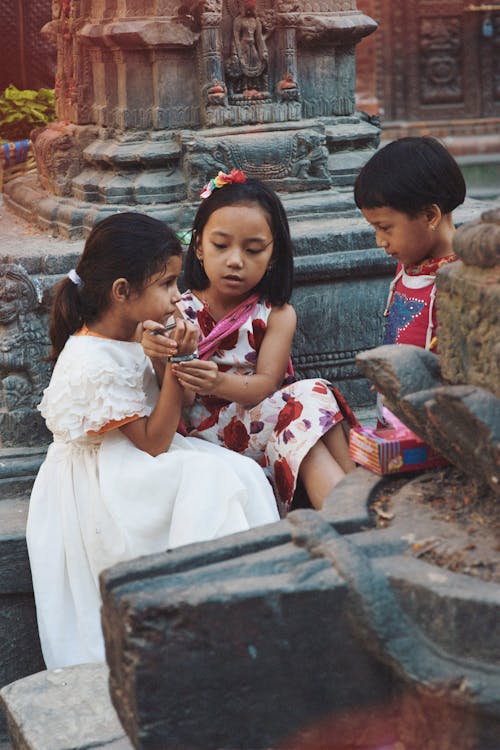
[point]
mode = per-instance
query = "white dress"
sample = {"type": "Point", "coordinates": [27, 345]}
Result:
{"type": "Point", "coordinates": [99, 500]}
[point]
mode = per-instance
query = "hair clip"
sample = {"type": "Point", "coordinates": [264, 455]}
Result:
{"type": "Point", "coordinates": [235, 176]}
{"type": "Point", "coordinates": [184, 236]}
{"type": "Point", "coordinates": [73, 276]}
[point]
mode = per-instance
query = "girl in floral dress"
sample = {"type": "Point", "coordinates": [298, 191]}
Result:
{"type": "Point", "coordinates": [239, 268]}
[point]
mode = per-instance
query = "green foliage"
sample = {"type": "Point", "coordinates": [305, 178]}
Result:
{"type": "Point", "coordinates": [22, 111]}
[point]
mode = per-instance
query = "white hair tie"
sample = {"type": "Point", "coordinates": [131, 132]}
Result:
{"type": "Point", "coordinates": [73, 276]}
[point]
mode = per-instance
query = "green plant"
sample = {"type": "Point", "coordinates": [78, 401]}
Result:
{"type": "Point", "coordinates": [23, 110]}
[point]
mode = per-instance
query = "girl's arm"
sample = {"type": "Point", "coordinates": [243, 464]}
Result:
{"type": "Point", "coordinates": [204, 377]}
{"type": "Point", "coordinates": [154, 434]}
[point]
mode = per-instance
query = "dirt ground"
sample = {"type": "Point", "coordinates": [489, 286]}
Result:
{"type": "Point", "coordinates": [452, 522]}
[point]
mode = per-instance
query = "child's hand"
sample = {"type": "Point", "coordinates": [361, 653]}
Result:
{"type": "Point", "coordinates": [199, 376]}
{"type": "Point", "coordinates": [186, 336]}
{"type": "Point", "coordinates": [158, 342]}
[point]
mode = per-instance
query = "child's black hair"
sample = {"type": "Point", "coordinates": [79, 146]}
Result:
{"type": "Point", "coordinates": [277, 284]}
{"type": "Point", "coordinates": [409, 175]}
{"type": "Point", "coordinates": [129, 245]}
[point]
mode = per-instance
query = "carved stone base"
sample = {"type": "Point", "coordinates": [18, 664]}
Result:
{"type": "Point", "coordinates": [252, 113]}
{"type": "Point", "coordinates": [149, 168]}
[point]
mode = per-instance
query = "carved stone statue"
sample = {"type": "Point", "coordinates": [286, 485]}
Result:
{"type": "Point", "coordinates": [247, 65]}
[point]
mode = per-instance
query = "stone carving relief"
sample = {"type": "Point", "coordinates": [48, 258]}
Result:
{"type": "Point", "coordinates": [304, 157]}
{"type": "Point", "coordinates": [247, 65]}
{"type": "Point", "coordinates": [248, 62]}
{"type": "Point", "coordinates": [215, 93]}
{"type": "Point", "coordinates": [202, 161]}
{"type": "Point", "coordinates": [441, 64]}
{"type": "Point", "coordinates": [311, 156]}
{"type": "Point", "coordinates": [23, 343]}
{"type": "Point", "coordinates": [211, 6]}
{"type": "Point", "coordinates": [299, 158]}
{"type": "Point", "coordinates": [287, 89]}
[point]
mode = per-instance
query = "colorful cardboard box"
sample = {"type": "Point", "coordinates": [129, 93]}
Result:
{"type": "Point", "coordinates": [389, 451]}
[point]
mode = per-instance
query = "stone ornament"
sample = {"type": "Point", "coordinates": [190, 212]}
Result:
{"type": "Point", "coordinates": [23, 349]}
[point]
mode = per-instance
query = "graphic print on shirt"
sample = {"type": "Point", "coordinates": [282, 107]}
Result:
{"type": "Point", "coordinates": [402, 313]}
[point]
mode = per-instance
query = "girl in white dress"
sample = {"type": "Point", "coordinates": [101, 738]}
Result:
{"type": "Point", "coordinates": [118, 481]}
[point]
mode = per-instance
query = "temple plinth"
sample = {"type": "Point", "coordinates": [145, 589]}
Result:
{"type": "Point", "coordinates": [153, 98]}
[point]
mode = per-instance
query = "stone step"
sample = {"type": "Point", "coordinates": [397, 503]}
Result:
{"type": "Point", "coordinates": [63, 709]}
{"type": "Point", "coordinates": [20, 652]}
{"type": "Point", "coordinates": [18, 468]}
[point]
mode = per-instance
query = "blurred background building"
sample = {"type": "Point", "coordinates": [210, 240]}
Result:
{"type": "Point", "coordinates": [433, 67]}
{"type": "Point", "coordinates": [27, 59]}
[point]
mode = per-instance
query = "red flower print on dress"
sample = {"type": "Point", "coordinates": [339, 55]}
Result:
{"type": "Point", "coordinates": [205, 321]}
{"type": "Point", "coordinates": [236, 437]}
{"type": "Point", "coordinates": [256, 335]}
{"type": "Point", "coordinates": [213, 405]}
{"type": "Point", "coordinates": [320, 388]}
{"type": "Point", "coordinates": [285, 482]}
{"type": "Point", "coordinates": [205, 424]}
{"type": "Point", "coordinates": [229, 342]}
{"type": "Point", "coordinates": [292, 410]}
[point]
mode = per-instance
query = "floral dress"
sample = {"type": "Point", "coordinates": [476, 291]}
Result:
{"type": "Point", "coordinates": [280, 430]}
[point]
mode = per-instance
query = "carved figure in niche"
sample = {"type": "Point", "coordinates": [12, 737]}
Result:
{"type": "Point", "coordinates": [441, 78]}
{"type": "Point", "coordinates": [216, 92]}
{"type": "Point", "coordinates": [200, 162]}
{"type": "Point", "coordinates": [311, 159]}
{"type": "Point", "coordinates": [287, 89]}
{"type": "Point", "coordinates": [246, 68]}
{"type": "Point", "coordinates": [23, 340]}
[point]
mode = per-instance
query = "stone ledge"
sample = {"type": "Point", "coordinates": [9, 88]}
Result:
{"type": "Point", "coordinates": [63, 709]}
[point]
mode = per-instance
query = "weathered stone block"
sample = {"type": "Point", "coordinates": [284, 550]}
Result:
{"type": "Point", "coordinates": [400, 370]}
{"type": "Point", "coordinates": [478, 242]}
{"type": "Point", "coordinates": [59, 154]}
{"type": "Point", "coordinates": [468, 422]}
{"type": "Point", "coordinates": [469, 325]}
{"type": "Point", "coordinates": [206, 645]}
